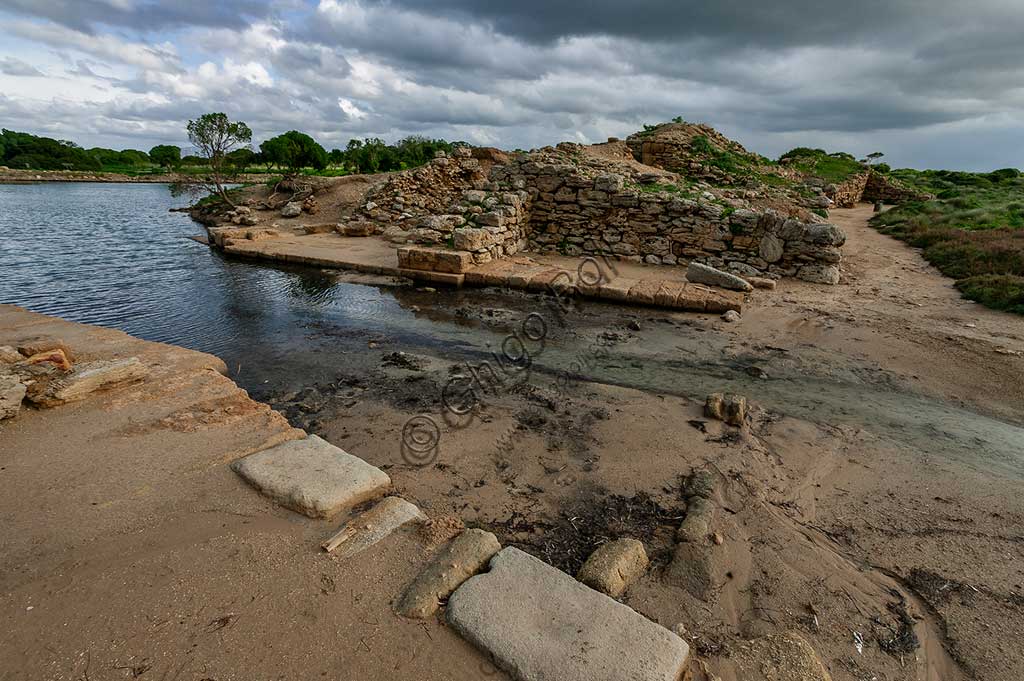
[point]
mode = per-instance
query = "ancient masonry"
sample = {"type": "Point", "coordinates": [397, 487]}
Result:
{"type": "Point", "coordinates": [555, 201]}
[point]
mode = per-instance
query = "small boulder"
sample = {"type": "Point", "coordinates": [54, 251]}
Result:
{"type": "Point", "coordinates": [12, 392]}
{"type": "Point", "coordinates": [292, 210]}
{"type": "Point", "coordinates": [464, 557]}
{"type": "Point", "coordinates": [702, 274]}
{"type": "Point", "coordinates": [730, 316]}
{"type": "Point", "coordinates": [9, 355]}
{"type": "Point", "coordinates": [729, 408]}
{"type": "Point", "coordinates": [614, 566]}
{"type": "Point", "coordinates": [696, 526]}
{"type": "Point", "coordinates": [779, 656]}
{"type": "Point", "coordinates": [700, 483]}
{"type": "Point", "coordinates": [37, 344]}
{"type": "Point", "coordinates": [89, 377]}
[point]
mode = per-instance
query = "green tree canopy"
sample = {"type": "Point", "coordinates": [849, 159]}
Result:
{"type": "Point", "coordinates": [294, 150]}
{"type": "Point", "coordinates": [165, 155]}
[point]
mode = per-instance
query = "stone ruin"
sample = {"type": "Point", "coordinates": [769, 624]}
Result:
{"type": "Point", "coordinates": [650, 199]}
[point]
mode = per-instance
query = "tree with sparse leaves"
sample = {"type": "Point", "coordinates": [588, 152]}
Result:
{"type": "Point", "coordinates": [215, 136]}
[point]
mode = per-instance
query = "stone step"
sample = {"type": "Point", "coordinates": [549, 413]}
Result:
{"type": "Point", "coordinates": [312, 476]}
{"type": "Point", "coordinates": [540, 624]}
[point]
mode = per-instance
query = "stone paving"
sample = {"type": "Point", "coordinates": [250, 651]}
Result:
{"type": "Point", "coordinates": [621, 282]}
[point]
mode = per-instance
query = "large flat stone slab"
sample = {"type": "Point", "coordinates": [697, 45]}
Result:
{"type": "Point", "coordinates": [540, 624]}
{"type": "Point", "coordinates": [312, 476]}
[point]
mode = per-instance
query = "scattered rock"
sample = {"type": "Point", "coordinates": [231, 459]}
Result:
{"type": "Point", "coordinates": [762, 282]}
{"type": "Point", "coordinates": [34, 346]}
{"type": "Point", "coordinates": [700, 483]}
{"type": "Point", "coordinates": [729, 408]}
{"type": "Point", "coordinates": [633, 325]}
{"type": "Point", "coordinates": [819, 274]}
{"type": "Point", "coordinates": [464, 557]}
{"type": "Point", "coordinates": [312, 476]}
{"type": "Point", "coordinates": [731, 316]}
{"type": "Point", "coordinates": [12, 392]}
{"type": "Point", "coordinates": [371, 526]}
{"type": "Point", "coordinates": [540, 624]}
{"type": "Point", "coordinates": [87, 378]}
{"type": "Point", "coordinates": [292, 210]}
{"type": "Point", "coordinates": [55, 357]}
{"type": "Point", "coordinates": [696, 526]}
{"type": "Point", "coordinates": [614, 566]}
{"type": "Point", "coordinates": [9, 355]}
{"type": "Point", "coordinates": [779, 657]}
{"type": "Point", "coordinates": [702, 274]}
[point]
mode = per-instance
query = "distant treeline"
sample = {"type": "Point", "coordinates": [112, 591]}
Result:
{"type": "Point", "coordinates": [293, 151]}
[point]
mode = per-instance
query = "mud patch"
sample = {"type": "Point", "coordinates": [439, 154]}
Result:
{"type": "Point", "coordinates": [590, 520]}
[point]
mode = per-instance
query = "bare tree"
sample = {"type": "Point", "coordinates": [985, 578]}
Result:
{"type": "Point", "coordinates": [215, 136]}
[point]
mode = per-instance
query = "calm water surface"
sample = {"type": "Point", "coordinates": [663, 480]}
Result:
{"type": "Point", "coordinates": [112, 255]}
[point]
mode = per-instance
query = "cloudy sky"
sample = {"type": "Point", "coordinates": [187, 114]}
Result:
{"type": "Point", "coordinates": [932, 83]}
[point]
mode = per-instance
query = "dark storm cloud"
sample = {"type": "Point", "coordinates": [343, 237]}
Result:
{"type": "Point", "coordinates": [857, 76]}
{"type": "Point", "coordinates": [739, 22]}
{"type": "Point", "coordinates": [141, 15]}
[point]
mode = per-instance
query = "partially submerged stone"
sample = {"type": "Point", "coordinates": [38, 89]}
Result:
{"type": "Point", "coordinates": [464, 557]}
{"type": "Point", "coordinates": [540, 624]}
{"type": "Point", "coordinates": [703, 274]}
{"type": "Point", "coordinates": [614, 566]}
{"type": "Point", "coordinates": [312, 477]}
{"type": "Point", "coordinates": [87, 378]}
{"type": "Point", "coordinates": [12, 392]}
{"type": "Point", "coordinates": [371, 526]}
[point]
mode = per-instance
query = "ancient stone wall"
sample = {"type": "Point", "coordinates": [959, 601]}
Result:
{"type": "Point", "coordinates": [849, 193]}
{"type": "Point", "coordinates": [888, 190]}
{"type": "Point", "coordinates": [571, 212]}
{"type": "Point", "coordinates": [558, 201]}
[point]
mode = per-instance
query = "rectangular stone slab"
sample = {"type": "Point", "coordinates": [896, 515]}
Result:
{"type": "Point", "coordinates": [540, 624]}
{"type": "Point", "coordinates": [312, 476]}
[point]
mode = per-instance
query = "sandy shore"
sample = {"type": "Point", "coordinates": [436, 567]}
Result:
{"type": "Point", "coordinates": [130, 549]}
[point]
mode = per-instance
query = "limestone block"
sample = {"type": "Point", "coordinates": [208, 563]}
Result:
{"type": "Point", "coordinates": [540, 624]}
{"type": "Point", "coordinates": [464, 557]}
{"type": "Point", "coordinates": [312, 476]}
{"type": "Point", "coordinates": [614, 566]}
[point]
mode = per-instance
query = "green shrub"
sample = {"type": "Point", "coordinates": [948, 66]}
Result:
{"type": "Point", "coordinates": [998, 291]}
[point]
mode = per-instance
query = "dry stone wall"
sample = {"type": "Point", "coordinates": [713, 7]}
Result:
{"type": "Point", "coordinates": [576, 213]}
{"type": "Point", "coordinates": [557, 201]}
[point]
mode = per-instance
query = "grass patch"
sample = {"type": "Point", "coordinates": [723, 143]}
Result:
{"type": "Point", "coordinates": [832, 168]}
{"type": "Point", "coordinates": [973, 231]}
